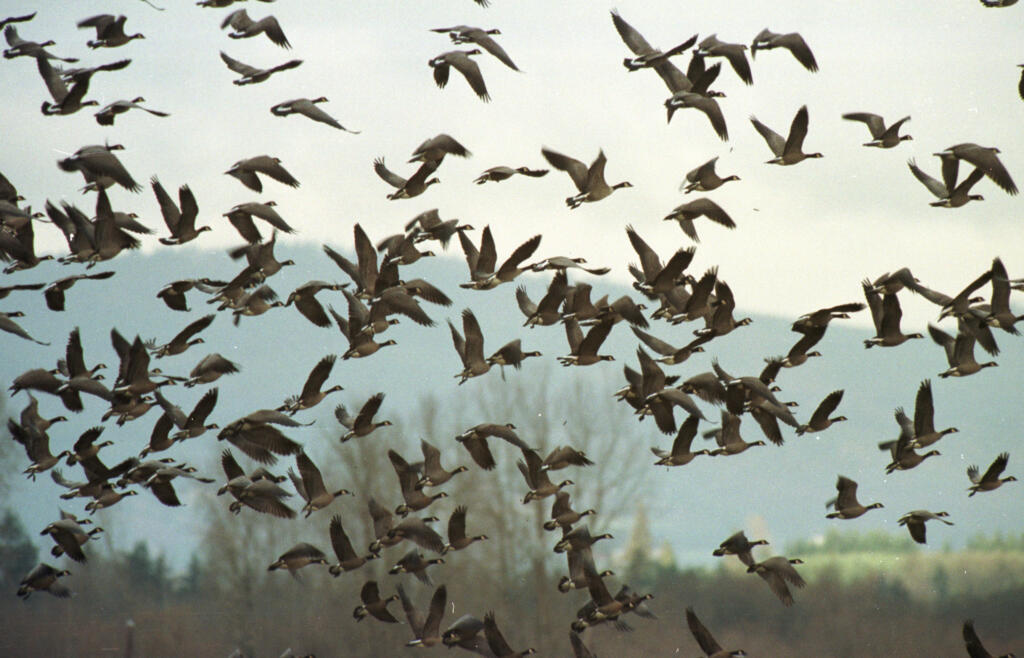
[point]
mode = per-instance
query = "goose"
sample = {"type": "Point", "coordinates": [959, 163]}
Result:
{"type": "Point", "coordinates": [671, 355]}
{"type": "Point", "coordinates": [537, 478]}
{"type": "Point", "coordinates": [820, 420]}
{"type": "Point", "coordinates": [414, 186]}
{"type": "Point", "coordinates": [881, 136]}
{"type": "Point", "coordinates": [401, 249]}
{"type": "Point", "coordinates": [412, 528]}
{"type": "Point", "coordinates": [255, 435]}
{"type": "Point", "coordinates": [722, 321]}
{"type": "Point", "coordinates": [241, 217]}
{"type": "Point", "coordinates": [985, 158]}
{"type": "Point", "coordinates": [348, 560]}
{"type": "Point", "coordinates": [312, 391]}
{"type": "Point", "coordinates": [310, 485]}
{"type": "Point", "coordinates": [777, 571]}
{"type": "Point", "coordinates": [496, 641]}
{"type": "Point", "coordinates": [801, 350]}
{"type": "Point", "coordinates": [209, 369]}
{"type": "Point", "coordinates": [588, 180]}
{"type": "Point", "coordinates": [734, 52]}
{"type": "Point", "coordinates": [362, 424]}
{"type": "Point", "coordinates": [37, 447]}
{"type": "Point", "coordinates": [429, 226]}
{"type": "Point", "coordinates": [959, 352]}
{"type": "Point", "coordinates": [251, 74]}
{"type": "Point", "coordinates": [160, 483]}
{"type": "Point", "coordinates": [948, 192]}
{"type": "Point", "coordinates": [414, 563]}
{"type": "Point", "coordinates": [434, 475]}
{"type": "Point", "coordinates": [583, 349]}
{"type": "Point", "coordinates": [373, 604]}
{"type": "Point", "coordinates": [257, 302]}
{"type": "Point", "coordinates": [180, 221]}
{"type": "Point", "coordinates": [457, 538]}
{"type": "Point", "coordinates": [107, 498]}
{"type": "Point", "coordinates": [21, 48]}
{"type": "Point", "coordinates": [246, 170]}
{"type": "Point", "coordinates": [703, 207]}
{"type": "Point", "coordinates": [304, 298]}
{"type": "Point", "coordinates": [646, 55]}
{"type": "Point", "coordinates": [260, 255]}
{"type": "Point", "coordinates": [707, 642]}
{"type": "Point", "coordinates": [563, 457]}
{"type": "Point", "coordinates": [502, 172]}
{"type": "Point", "coordinates": [579, 562]}
{"type": "Point", "coordinates": [307, 108]}
{"type": "Point", "coordinates": [787, 151]}
{"type": "Point", "coordinates": [704, 178]}
{"type": "Point", "coordinates": [886, 315]}
{"type": "Point", "coordinates": [656, 277]}
{"type": "Point", "coordinates": [427, 630]}
{"type": "Point", "coordinates": [415, 499]}
{"type": "Point", "coordinates": [706, 104]}
{"type": "Point", "coordinates": [793, 42]}
{"type": "Point", "coordinates": [990, 480]}
{"type": "Point", "coordinates": [999, 314]}
{"type": "Point", "coordinates": [475, 441]}
{"type": "Point", "coordinates": [902, 450]}
{"type": "Point", "coordinates": [106, 115]}
{"type": "Point", "coordinates": [243, 27]}
{"type": "Point", "coordinates": [298, 556]}
{"type": "Point", "coordinates": [109, 31]}
{"type": "Point", "coordinates": [69, 538]}
{"type": "Point", "coordinates": [924, 413]}
{"type": "Point", "coordinates": [30, 417]}
{"type": "Point", "coordinates": [681, 454]}
{"type": "Point", "coordinates": [974, 646]}
{"type": "Point", "coordinates": [562, 514]}
{"type": "Point", "coordinates": [65, 100]}
{"type": "Point", "coordinates": [578, 539]}
{"type": "Point", "coordinates": [462, 62]}
{"type": "Point", "coordinates": [604, 607]}
{"type": "Point", "coordinates": [510, 354]}
{"type": "Point", "coordinates": [482, 262]}
{"type": "Point", "coordinates": [469, 348]}
{"type": "Point", "coordinates": [261, 495]}
{"type": "Point", "coordinates": [465, 34]}
{"type": "Point", "coordinates": [438, 146]}
{"type": "Point", "coordinates": [915, 522]}
{"type": "Point", "coordinates": [12, 327]}
{"type": "Point", "coordinates": [173, 294]}
{"type": "Point", "coordinates": [545, 312]}
{"type": "Point", "coordinates": [100, 167]}
{"type": "Point", "coordinates": [728, 437]}
{"type": "Point", "coordinates": [821, 317]}
{"type": "Point", "coordinates": [562, 263]}
{"type": "Point", "coordinates": [182, 340]}
{"type": "Point", "coordinates": [846, 504]}
{"type": "Point", "coordinates": [20, 248]}
{"type": "Point", "coordinates": [86, 447]}
{"type": "Point", "coordinates": [43, 578]}
{"type": "Point", "coordinates": [465, 633]}
{"type": "Point", "coordinates": [361, 343]}
{"type": "Point", "coordinates": [740, 546]}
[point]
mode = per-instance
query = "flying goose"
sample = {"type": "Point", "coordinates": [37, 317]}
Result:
{"type": "Point", "coordinates": [194, 424]}
{"type": "Point", "coordinates": [537, 478]}
{"type": "Point", "coordinates": [243, 27]}
{"type": "Point", "coordinates": [904, 457]}
{"type": "Point", "coordinates": [706, 104]}
{"type": "Point", "coordinates": [583, 349]}
{"type": "Point", "coordinates": [704, 178]}
{"type": "Point", "coordinates": [37, 448]}
{"type": "Point", "coordinates": [246, 170]}
{"type": "Point", "coordinates": [65, 100]}
{"type": "Point", "coordinates": [304, 298]}
{"type": "Point", "coordinates": [734, 52]}
{"type": "Point", "coordinates": [496, 641]}
{"type": "Point", "coordinates": [959, 352]}
{"type": "Point", "coordinates": [985, 158]}
{"type": "Point", "coordinates": [547, 311]}
{"type": "Point", "coordinates": [681, 454]}
{"type": "Point", "coordinates": [181, 222]}
{"type": "Point", "coordinates": [310, 485]}
{"type": "Point", "coordinates": [462, 62]}
{"type": "Point", "coordinates": [209, 369]}
{"type": "Point", "coordinates": [257, 302]}
{"type": "Point", "coordinates": [502, 172]}
{"type": "Point", "coordinates": [12, 327]}
{"type": "Point", "coordinates": [100, 167]}
{"type": "Point", "coordinates": [703, 207]}
{"type": "Point", "coordinates": [646, 55]}
{"type": "Point", "coordinates": [915, 522]}
{"type": "Point", "coordinates": [427, 630]}
{"type": "Point", "coordinates": [312, 391]}
{"type": "Point", "coordinates": [241, 217]}
{"type": "Point", "coordinates": [990, 480]}
{"type": "Point", "coordinates": [69, 538]}
{"type": "Point", "coordinates": [563, 263]}
{"type": "Point", "coordinates": [707, 642]}
{"type": "Point", "coordinates": [588, 180]}
{"type": "Point", "coordinates": [415, 185]}
{"type": "Point", "coordinates": [348, 560]}
{"type": "Point", "coordinates": [886, 315]}
{"type": "Point", "coordinates": [457, 537]}
{"type": "Point", "coordinates": [307, 107]}
{"type": "Point", "coordinates": [470, 347]}
{"type": "Point", "coordinates": [924, 413]}
{"type": "Point", "coordinates": [846, 504]}
{"type": "Point", "coordinates": [777, 571]}
{"type": "Point", "coordinates": [106, 116]}
{"type": "Point", "coordinates": [460, 34]}
{"type": "Point", "coordinates": [820, 420]}
{"type": "Point", "coordinates": [373, 604]}
{"type": "Point", "coordinates": [109, 31]}
{"type": "Point", "coordinates": [362, 424]}
{"type": "Point", "coordinates": [740, 546]}
{"type": "Point", "coordinates": [562, 514]}
{"type": "Point", "coordinates": [728, 436]}
{"type": "Point", "coordinates": [949, 193]}
{"type": "Point", "coordinates": [482, 262]}
{"type": "Point", "coordinates": [408, 478]}
{"type": "Point", "coordinates": [43, 578]}
{"type": "Point", "coordinates": [182, 340]}
{"type": "Point", "coordinates": [793, 42]}
{"type": "Point", "coordinates": [787, 151]}
{"type": "Point", "coordinates": [434, 474]}
{"type": "Point", "coordinates": [475, 441]}
{"type": "Point", "coordinates": [251, 74]}
{"type": "Point", "coordinates": [722, 321]}
{"type": "Point", "coordinates": [255, 435]}
{"type": "Point", "coordinates": [429, 226]}
{"type": "Point", "coordinates": [298, 556]}
{"type": "Point", "coordinates": [21, 48]}
{"type": "Point", "coordinates": [361, 343]}
{"type": "Point", "coordinates": [263, 496]}
{"type": "Point", "coordinates": [823, 316]}
{"type": "Point", "coordinates": [881, 136]}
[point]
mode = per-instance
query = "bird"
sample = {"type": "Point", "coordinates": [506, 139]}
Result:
{"type": "Point", "coordinates": [502, 172]}
{"type": "Point", "coordinates": [949, 193]}
{"type": "Point", "coordinates": [426, 629]}
{"type": "Point", "coordinates": [462, 61]}
{"type": "Point", "coordinates": [373, 604]}
{"type": "Point", "coordinates": [408, 477]}
{"type": "Point", "coordinates": [301, 555]}
{"type": "Point", "coordinates": [904, 457]}
{"type": "Point", "coordinates": [484, 272]}
{"type": "Point", "coordinates": [793, 42]}
{"type": "Point", "coordinates": [820, 418]}
{"type": "Point", "coordinates": [788, 151]}
{"type": "Point", "coordinates": [728, 437]}
{"type": "Point", "coordinates": [243, 27]}
{"type": "Point", "coordinates": [707, 642]}
{"type": "Point", "coordinates": [304, 298]}
{"type": "Point", "coordinates": [686, 213]}
{"type": "Point", "coordinates": [457, 537]}
{"type": "Point", "coordinates": [22, 48]}
{"type": "Point", "coordinates": [251, 74]}
{"type": "Point", "coordinates": [886, 315]}
{"type": "Point", "coordinates": [537, 478]}
{"type": "Point", "coordinates": [362, 424]}
{"type": "Point", "coordinates": [777, 571]}
{"type": "Point", "coordinates": [466, 34]}
{"type": "Point", "coordinates": [183, 339]}
{"type": "Point", "coordinates": [990, 480]}
{"type": "Point", "coordinates": [246, 170]}
{"type": "Point", "coordinates": [583, 349]}
{"type": "Point", "coordinates": [703, 102]}
{"type": "Point", "coordinates": [209, 369]}
{"type": "Point", "coordinates": [496, 641]}
{"type": "Point", "coordinates": [414, 186]}
{"type": "Point", "coordinates": [734, 52]}
{"type": "Point", "coordinates": [180, 221]}
{"type": "Point", "coordinates": [704, 178]}
{"type": "Point", "coordinates": [914, 521]}
{"type": "Point", "coordinates": [738, 545]}
{"type": "Point", "coordinates": [43, 578]}
{"type": "Point", "coordinates": [312, 391]}
{"type": "Point", "coordinates": [646, 55]}
{"type": "Point", "coordinates": [588, 180]}
{"type": "Point", "coordinates": [241, 217]}
{"type": "Point", "coordinates": [12, 327]}
{"type": "Point", "coordinates": [307, 108]}
{"type": "Point", "coordinates": [846, 504]}
{"type": "Point", "coordinates": [925, 433]}
{"type": "Point", "coordinates": [470, 347]}
{"type": "Point", "coordinates": [475, 441]}
{"type": "Point", "coordinates": [100, 167]}
{"type": "Point", "coordinates": [69, 100]}
{"type": "Point", "coordinates": [562, 514]}
{"type": "Point", "coordinates": [985, 158]}
{"type": "Point", "coordinates": [975, 649]}
{"type": "Point", "coordinates": [106, 115]}
{"type": "Point", "coordinates": [255, 435]}
{"type": "Point", "coordinates": [881, 136]}
{"type": "Point", "coordinates": [681, 454]}
{"type": "Point", "coordinates": [310, 485]}
{"type": "Point", "coordinates": [109, 31]}
{"type": "Point", "coordinates": [959, 352]}
{"type": "Point", "coordinates": [348, 560]}
{"type": "Point", "coordinates": [434, 474]}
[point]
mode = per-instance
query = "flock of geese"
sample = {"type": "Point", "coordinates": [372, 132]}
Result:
{"type": "Point", "coordinates": [378, 296]}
